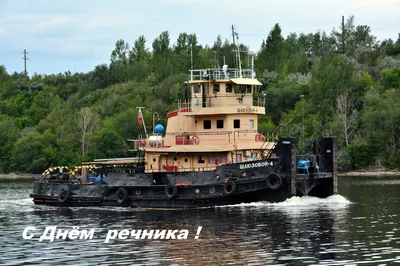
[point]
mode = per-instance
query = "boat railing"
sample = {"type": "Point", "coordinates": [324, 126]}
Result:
{"type": "Point", "coordinates": [239, 101]}
{"type": "Point", "coordinates": [205, 138]}
{"type": "Point", "coordinates": [258, 136]}
{"type": "Point", "coordinates": [220, 74]}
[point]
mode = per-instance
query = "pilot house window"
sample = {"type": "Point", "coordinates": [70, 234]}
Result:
{"type": "Point", "coordinates": [207, 124]}
{"type": "Point", "coordinates": [248, 89]}
{"type": "Point", "coordinates": [228, 88]}
{"type": "Point", "coordinates": [236, 123]}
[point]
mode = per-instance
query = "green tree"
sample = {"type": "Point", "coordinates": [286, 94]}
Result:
{"type": "Point", "coordinates": [391, 78]}
{"type": "Point", "coordinates": [332, 75]}
{"type": "Point", "coordinates": [108, 144]}
{"type": "Point", "coordinates": [271, 54]}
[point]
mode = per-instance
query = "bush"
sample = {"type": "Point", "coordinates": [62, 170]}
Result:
{"type": "Point", "coordinates": [363, 155]}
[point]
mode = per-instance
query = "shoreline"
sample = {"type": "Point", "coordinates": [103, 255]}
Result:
{"type": "Point", "coordinates": [17, 176]}
{"type": "Point", "coordinates": [369, 173]}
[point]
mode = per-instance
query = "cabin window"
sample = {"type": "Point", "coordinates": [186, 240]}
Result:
{"type": "Point", "coordinates": [254, 158]}
{"type": "Point", "coordinates": [236, 123]}
{"type": "Point", "coordinates": [248, 88]}
{"type": "Point", "coordinates": [220, 123]}
{"type": "Point", "coordinates": [237, 88]}
{"type": "Point", "coordinates": [242, 89]}
{"type": "Point", "coordinates": [216, 88]}
{"type": "Point", "coordinates": [211, 159]}
{"type": "Point", "coordinates": [207, 124]}
{"type": "Point", "coordinates": [200, 159]}
{"type": "Point", "coordinates": [196, 88]}
{"type": "Point", "coordinates": [251, 123]}
{"type": "Point", "coordinates": [228, 88]}
{"type": "Point", "coordinates": [175, 159]}
{"type": "Point", "coordinates": [223, 159]}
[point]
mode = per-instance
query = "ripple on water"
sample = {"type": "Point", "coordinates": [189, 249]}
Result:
{"type": "Point", "coordinates": [300, 230]}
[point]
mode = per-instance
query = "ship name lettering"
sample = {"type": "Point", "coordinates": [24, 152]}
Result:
{"type": "Point", "coordinates": [247, 110]}
{"type": "Point", "coordinates": [255, 165]}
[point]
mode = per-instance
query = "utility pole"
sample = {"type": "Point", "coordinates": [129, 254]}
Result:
{"type": "Point", "coordinates": [25, 58]}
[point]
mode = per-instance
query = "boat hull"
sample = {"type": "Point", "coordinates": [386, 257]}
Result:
{"type": "Point", "coordinates": [271, 180]}
{"type": "Point", "coordinates": [186, 196]}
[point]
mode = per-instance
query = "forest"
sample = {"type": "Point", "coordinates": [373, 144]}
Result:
{"type": "Point", "coordinates": [344, 83]}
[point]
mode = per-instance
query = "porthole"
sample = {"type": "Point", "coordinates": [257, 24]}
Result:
{"type": "Point", "coordinates": [186, 160]}
{"type": "Point", "coordinates": [154, 159]}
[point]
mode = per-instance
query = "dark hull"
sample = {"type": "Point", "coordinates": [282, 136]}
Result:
{"type": "Point", "coordinates": [271, 180]}
{"type": "Point", "coordinates": [245, 190]}
{"type": "Point", "coordinates": [260, 195]}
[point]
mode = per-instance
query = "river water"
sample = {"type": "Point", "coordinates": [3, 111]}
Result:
{"type": "Point", "coordinates": [361, 226]}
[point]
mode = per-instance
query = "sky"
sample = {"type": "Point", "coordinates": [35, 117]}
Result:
{"type": "Point", "coordinates": [77, 35]}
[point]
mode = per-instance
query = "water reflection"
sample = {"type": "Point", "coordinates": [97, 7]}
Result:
{"type": "Point", "coordinates": [259, 233]}
{"type": "Point", "coordinates": [300, 231]}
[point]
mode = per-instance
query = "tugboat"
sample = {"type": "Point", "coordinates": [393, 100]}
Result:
{"type": "Point", "coordinates": [210, 154]}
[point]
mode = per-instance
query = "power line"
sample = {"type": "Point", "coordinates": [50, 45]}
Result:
{"type": "Point", "coordinates": [67, 60]}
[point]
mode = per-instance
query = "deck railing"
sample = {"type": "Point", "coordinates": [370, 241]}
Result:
{"type": "Point", "coordinates": [206, 138]}
{"type": "Point", "coordinates": [220, 74]}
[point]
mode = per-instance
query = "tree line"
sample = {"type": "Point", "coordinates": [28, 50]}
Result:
{"type": "Point", "coordinates": [344, 83]}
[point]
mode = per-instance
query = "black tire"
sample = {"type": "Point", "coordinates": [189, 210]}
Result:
{"type": "Point", "coordinates": [274, 181]}
{"type": "Point", "coordinates": [229, 187]}
{"type": "Point", "coordinates": [64, 196]}
{"type": "Point", "coordinates": [171, 191]}
{"type": "Point", "coordinates": [122, 195]}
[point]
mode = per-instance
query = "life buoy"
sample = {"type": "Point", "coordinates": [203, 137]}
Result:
{"type": "Point", "coordinates": [262, 138]}
{"type": "Point", "coordinates": [64, 196]}
{"type": "Point", "coordinates": [122, 195]}
{"type": "Point", "coordinates": [211, 190]}
{"type": "Point", "coordinates": [229, 187]}
{"type": "Point", "coordinates": [196, 140]}
{"type": "Point", "coordinates": [257, 137]}
{"type": "Point", "coordinates": [171, 191]}
{"type": "Point", "coordinates": [274, 181]}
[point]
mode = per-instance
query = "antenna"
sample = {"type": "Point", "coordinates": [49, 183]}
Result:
{"type": "Point", "coordinates": [191, 57]}
{"type": "Point", "coordinates": [215, 60]}
{"type": "Point", "coordinates": [234, 33]}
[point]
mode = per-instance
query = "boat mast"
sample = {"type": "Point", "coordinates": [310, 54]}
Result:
{"type": "Point", "coordinates": [234, 33]}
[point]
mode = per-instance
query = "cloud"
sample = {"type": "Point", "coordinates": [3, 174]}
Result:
{"type": "Point", "coordinates": [76, 29]}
